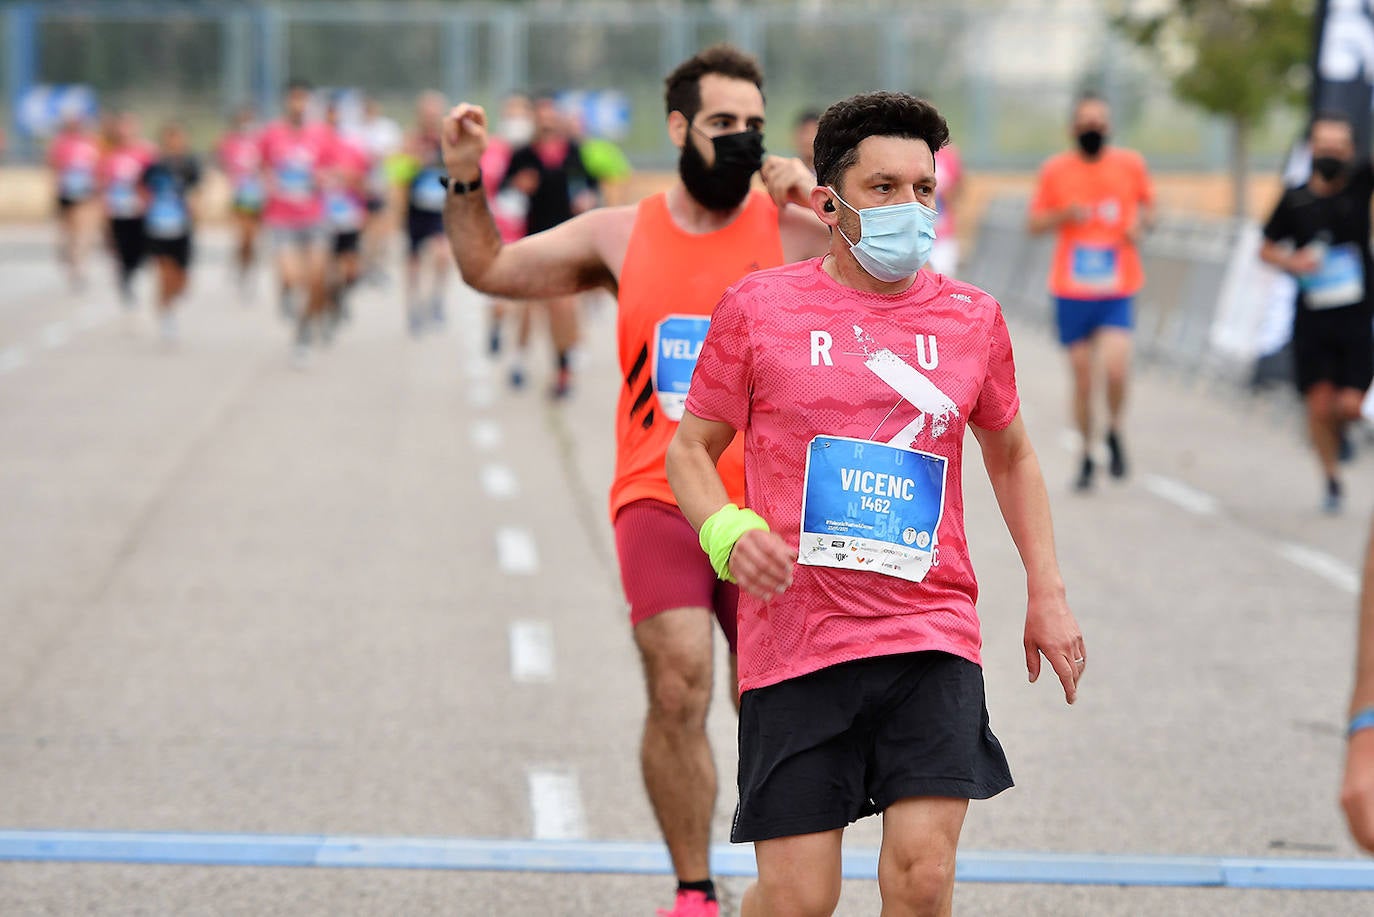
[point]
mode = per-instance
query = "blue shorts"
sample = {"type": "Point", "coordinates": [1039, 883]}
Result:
{"type": "Point", "coordinates": [1079, 318]}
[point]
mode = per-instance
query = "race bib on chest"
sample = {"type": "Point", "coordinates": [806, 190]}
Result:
{"type": "Point", "coordinates": [1339, 282]}
{"type": "Point", "coordinates": [295, 181]}
{"type": "Point", "coordinates": [427, 193]}
{"type": "Point", "coordinates": [343, 212]}
{"type": "Point", "coordinates": [77, 183]}
{"type": "Point", "coordinates": [167, 217]}
{"type": "Point", "coordinates": [872, 507]}
{"type": "Point", "coordinates": [1095, 266]}
{"type": "Point", "coordinates": [121, 199]}
{"type": "Point", "coordinates": [248, 193]}
{"type": "Point", "coordinates": [677, 343]}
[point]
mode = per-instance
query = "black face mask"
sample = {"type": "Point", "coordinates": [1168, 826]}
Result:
{"type": "Point", "coordinates": [723, 185]}
{"type": "Point", "coordinates": [1329, 167]}
{"type": "Point", "coordinates": [1091, 141]}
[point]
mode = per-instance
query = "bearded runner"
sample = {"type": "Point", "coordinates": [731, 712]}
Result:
{"type": "Point", "coordinates": [668, 259]}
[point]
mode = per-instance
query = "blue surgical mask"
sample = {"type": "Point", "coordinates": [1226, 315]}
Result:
{"type": "Point", "coordinates": [895, 241]}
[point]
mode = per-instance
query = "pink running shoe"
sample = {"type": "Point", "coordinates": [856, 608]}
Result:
{"type": "Point", "coordinates": [692, 904]}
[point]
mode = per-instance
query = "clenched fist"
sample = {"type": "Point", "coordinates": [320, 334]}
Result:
{"type": "Point", "coordinates": [464, 141]}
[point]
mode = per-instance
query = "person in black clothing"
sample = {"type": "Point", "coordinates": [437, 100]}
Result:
{"type": "Point", "coordinates": [425, 218]}
{"type": "Point", "coordinates": [1319, 233]}
{"type": "Point", "coordinates": [549, 171]}
{"type": "Point", "coordinates": [168, 219]}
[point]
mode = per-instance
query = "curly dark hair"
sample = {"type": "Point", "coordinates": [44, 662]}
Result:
{"type": "Point", "coordinates": [683, 85]}
{"type": "Point", "coordinates": [848, 122]}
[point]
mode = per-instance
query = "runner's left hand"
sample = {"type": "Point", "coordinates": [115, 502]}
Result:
{"type": "Point", "coordinates": [1052, 630]}
{"type": "Point", "coordinates": [761, 564]}
{"type": "Point", "coordinates": [787, 180]}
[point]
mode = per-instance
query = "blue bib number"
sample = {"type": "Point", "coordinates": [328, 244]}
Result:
{"type": "Point", "coordinates": [343, 212]}
{"type": "Point", "coordinates": [870, 506]}
{"type": "Point", "coordinates": [677, 342]}
{"type": "Point", "coordinates": [77, 184]}
{"type": "Point", "coordinates": [167, 217]}
{"type": "Point", "coordinates": [426, 193]}
{"type": "Point", "coordinates": [1338, 282]}
{"type": "Point", "coordinates": [248, 194]}
{"type": "Point", "coordinates": [121, 199]}
{"type": "Point", "coordinates": [295, 182]}
{"type": "Point", "coordinates": [1096, 267]}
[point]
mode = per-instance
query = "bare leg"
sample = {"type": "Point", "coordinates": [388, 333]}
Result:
{"type": "Point", "coordinates": [916, 863]}
{"type": "Point", "coordinates": [799, 876]}
{"type": "Point", "coordinates": [679, 772]}
{"type": "Point", "coordinates": [1321, 413]}
{"type": "Point", "coordinates": [1081, 365]}
{"type": "Point", "coordinates": [1115, 346]}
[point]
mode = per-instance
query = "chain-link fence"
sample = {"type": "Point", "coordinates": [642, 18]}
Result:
{"type": "Point", "coordinates": [1004, 76]}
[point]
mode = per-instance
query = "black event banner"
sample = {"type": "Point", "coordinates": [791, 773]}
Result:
{"type": "Point", "coordinates": [1343, 63]}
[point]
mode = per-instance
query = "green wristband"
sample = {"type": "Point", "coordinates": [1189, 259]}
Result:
{"type": "Point", "coordinates": [720, 532]}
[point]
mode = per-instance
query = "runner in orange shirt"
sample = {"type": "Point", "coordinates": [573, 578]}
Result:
{"type": "Point", "coordinates": [668, 259]}
{"type": "Point", "coordinates": [1099, 200]}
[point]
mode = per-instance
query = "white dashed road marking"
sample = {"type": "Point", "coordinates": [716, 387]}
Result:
{"type": "Point", "coordinates": [556, 805]}
{"type": "Point", "coordinates": [1181, 495]}
{"type": "Point", "coordinates": [531, 651]}
{"type": "Point", "coordinates": [1323, 565]}
{"type": "Point", "coordinates": [515, 551]}
{"type": "Point", "coordinates": [499, 482]}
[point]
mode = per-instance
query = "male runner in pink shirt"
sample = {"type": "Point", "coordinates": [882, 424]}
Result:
{"type": "Point", "coordinates": [73, 156]}
{"type": "Point", "coordinates": [293, 159]}
{"type": "Point", "coordinates": [239, 156]}
{"type": "Point", "coordinates": [853, 378]}
{"type": "Point", "coordinates": [119, 175]}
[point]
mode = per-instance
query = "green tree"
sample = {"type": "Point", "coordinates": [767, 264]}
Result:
{"type": "Point", "coordinates": [1238, 59]}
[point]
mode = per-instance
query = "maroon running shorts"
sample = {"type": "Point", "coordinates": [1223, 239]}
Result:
{"type": "Point", "coordinates": [662, 566]}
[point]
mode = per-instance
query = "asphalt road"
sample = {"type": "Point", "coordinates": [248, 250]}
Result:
{"type": "Point", "coordinates": [378, 597]}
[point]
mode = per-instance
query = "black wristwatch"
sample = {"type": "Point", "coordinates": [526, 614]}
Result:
{"type": "Point", "coordinates": [461, 187]}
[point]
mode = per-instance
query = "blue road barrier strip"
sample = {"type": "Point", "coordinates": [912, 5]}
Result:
{"type": "Point", "coordinates": [640, 858]}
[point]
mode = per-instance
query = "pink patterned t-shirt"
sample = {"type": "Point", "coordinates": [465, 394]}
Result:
{"type": "Point", "coordinates": [294, 158]}
{"type": "Point", "coordinates": [801, 364]}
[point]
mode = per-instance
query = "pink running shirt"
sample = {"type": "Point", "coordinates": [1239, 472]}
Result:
{"type": "Point", "coordinates": [121, 174]}
{"type": "Point", "coordinates": [293, 158]}
{"type": "Point", "coordinates": [74, 157]}
{"type": "Point", "coordinates": [347, 163]}
{"type": "Point", "coordinates": [240, 157]}
{"type": "Point", "coordinates": [787, 359]}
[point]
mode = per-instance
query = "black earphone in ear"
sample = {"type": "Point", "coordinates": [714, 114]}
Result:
{"type": "Point", "coordinates": [829, 207]}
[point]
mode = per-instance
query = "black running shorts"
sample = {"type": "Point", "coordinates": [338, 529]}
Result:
{"type": "Point", "coordinates": [421, 226]}
{"type": "Point", "coordinates": [1335, 346]}
{"type": "Point", "coordinates": [346, 242]}
{"type": "Point", "coordinates": [825, 749]}
{"type": "Point", "coordinates": [178, 249]}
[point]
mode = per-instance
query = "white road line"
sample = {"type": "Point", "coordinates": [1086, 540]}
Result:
{"type": "Point", "coordinates": [55, 335]}
{"type": "Point", "coordinates": [486, 435]}
{"type": "Point", "coordinates": [1322, 564]}
{"type": "Point", "coordinates": [515, 551]}
{"type": "Point", "coordinates": [91, 317]}
{"type": "Point", "coordinates": [11, 358]}
{"type": "Point", "coordinates": [531, 651]}
{"type": "Point", "coordinates": [556, 804]}
{"type": "Point", "coordinates": [480, 395]}
{"type": "Point", "coordinates": [499, 482]}
{"type": "Point", "coordinates": [1181, 495]}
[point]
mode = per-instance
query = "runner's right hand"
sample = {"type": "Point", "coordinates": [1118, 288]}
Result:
{"type": "Point", "coordinates": [464, 139]}
{"type": "Point", "coordinates": [1304, 261]}
{"type": "Point", "coordinates": [761, 564]}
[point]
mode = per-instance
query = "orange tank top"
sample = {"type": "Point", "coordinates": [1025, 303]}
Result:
{"type": "Point", "coordinates": [669, 286]}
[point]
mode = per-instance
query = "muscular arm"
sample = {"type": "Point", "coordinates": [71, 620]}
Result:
{"type": "Point", "coordinates": [559, 262]}
{"type": "Point", "coordinates": [691, 466]}
{"type": "Point", "coordinates": [761, 562]}
{"type": "Point", "coordinates": [1014, 472]}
